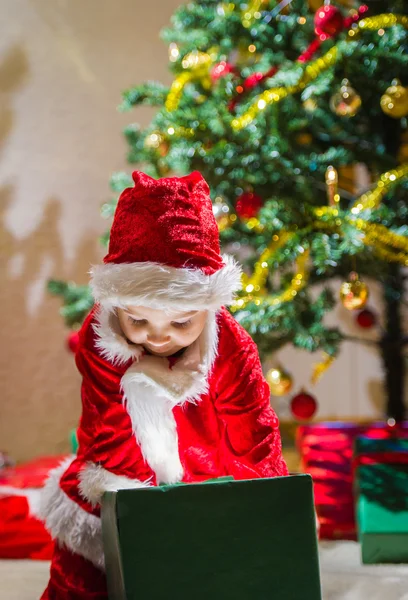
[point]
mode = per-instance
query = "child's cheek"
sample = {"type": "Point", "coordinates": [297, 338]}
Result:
{"type": "Point", "coordinates": [187, 336]}
{"type": "Point", "coordinates": [135, 336]}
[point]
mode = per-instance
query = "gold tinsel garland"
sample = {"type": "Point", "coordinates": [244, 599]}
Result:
{"type": "Point", "coordinates": [321, 367]}
{"type": "Point", "coordinates": [312, 70]}
{"type": "Point", "coordinates": [254, 292]}
{"type": "Point", "coordinates": [386, 244]}
{"type": "Point", "coordinates": [383, 241]}
{"type": "Point", "coordinates": [380, 21]}
{"type": "Point", "coordinates": [372, 199]}
{"type": "Point", "coordinates": [197, 68]}
{"type": "Point", "coordinates": [277, 94]}
{"type": "Point", "coordinates": [261, 270]}
{"type": "Point", "coordinates": [251, 12]}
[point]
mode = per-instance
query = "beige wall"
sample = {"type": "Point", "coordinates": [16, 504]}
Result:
{"type": "Point", "coordinates": [63, 64]}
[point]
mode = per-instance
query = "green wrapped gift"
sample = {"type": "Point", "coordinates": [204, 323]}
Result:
{"type": "Point", "coordinates": [381, 484]}
{"type": "Point", "coordinates": [219, 540]}
{"type": "Point", "coordinates": [73, 440]}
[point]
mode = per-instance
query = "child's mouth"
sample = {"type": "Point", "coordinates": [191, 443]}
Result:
{"type": "Point", "coordinates": [158, 349]}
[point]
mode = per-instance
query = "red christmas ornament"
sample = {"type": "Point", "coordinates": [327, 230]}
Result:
{"type": "Point", "coordinates": [328, 21]}
{"type": "Point", "coordinates": [220, 70]}
{"type": "Point", "coordinates": [366, 318]}
{"type": "Point", "coordinates": [73, 341]}
{"type": "Point", "coordinates": [303, 406]}
{"type": "Point", "coordinates": [248, 205]}
{"type": "Point", "coordinates": [253, 80]}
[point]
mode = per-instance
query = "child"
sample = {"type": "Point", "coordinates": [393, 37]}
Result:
{"type": "Point", "coordinates": [172, 385]}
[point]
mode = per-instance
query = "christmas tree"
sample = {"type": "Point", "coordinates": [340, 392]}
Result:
{"type": "Point", "coordinates": [275, 104]}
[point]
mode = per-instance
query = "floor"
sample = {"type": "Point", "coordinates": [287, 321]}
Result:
{"type": "Point", "coordinates": [343, 578]}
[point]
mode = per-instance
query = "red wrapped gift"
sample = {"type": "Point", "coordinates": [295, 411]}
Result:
{"type": "Point", "coordinates": [326, 451]}
{"type": "Point", "coordinates": [22, 534]}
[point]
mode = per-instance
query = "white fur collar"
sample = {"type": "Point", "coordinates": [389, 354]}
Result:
{"type": "Point", "coordinates": [151, 389]}
{"type": "Point", "coordinates": [186, 380]}
{"type": "Point", "coordinates": [110, 340]}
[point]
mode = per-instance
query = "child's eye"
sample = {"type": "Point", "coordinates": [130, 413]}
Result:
{"type": "Point", "coordinates": [137, 322]}
{"type": "Point", "coordinates": [181, 325]}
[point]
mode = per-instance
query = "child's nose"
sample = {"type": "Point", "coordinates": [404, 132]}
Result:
{"type": "Point", "coordinates": [157, 338]}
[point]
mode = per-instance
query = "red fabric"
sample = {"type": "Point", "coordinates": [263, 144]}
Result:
{"type": "Point", "coordinates": [326, 451]}
{"type": "Point", "coordinates": [232, 430]}
{"type": "Point", "coordinates": [21, 534]}
{"type": "Point", "coordinates": [31, 474]}
{"type": "Point", "coordinates": [74, 578]}
{"type": "Point", "coordinates": [168, 221]}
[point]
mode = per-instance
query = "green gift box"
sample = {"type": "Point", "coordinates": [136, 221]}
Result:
{"type": "Point", "coordinates": [219, 540]}
{"type": "Point", "coordinates": [381, 484]}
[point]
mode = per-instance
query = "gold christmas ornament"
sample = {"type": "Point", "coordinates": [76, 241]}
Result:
{"type": "Point", "coordinates": [313, 69]}
{"type": "Point", "coordinates": [304, 139]}
{"type": "Point", "coordinates": [280, 382]}
{"type": "Point", "coordinates": [156, 141]}
{"type": "Point", "coordinates": [394, 102]}
{"type": "Point", "coordinates": [222, 214]}
{"type": "Point", "coordinates": [384, 243]}
{"type": "Point", "coordinates": [331, 186]}
{"type": "Point", "coordinates": [354, 292]}
{"type": "Point", "coordinates": [310, 105]}
{"type": "Point", "coordinates": [346, 102]}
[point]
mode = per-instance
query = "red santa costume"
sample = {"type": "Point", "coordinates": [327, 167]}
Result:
{"type": "Point", "coordinates": [147, 419]}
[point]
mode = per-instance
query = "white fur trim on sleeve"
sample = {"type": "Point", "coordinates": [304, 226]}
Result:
{"type": "Point", "coordinates": [159, 286]}
{"type": "Point", "coordinates": [68, 523]}
{"type": "Point", "coordinates": [94, 480]}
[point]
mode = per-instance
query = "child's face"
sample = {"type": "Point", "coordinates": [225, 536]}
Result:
{"type": "Point", "coordinates": [161, 333]}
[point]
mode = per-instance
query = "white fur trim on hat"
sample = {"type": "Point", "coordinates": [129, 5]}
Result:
{"type": "Point", "coordinates": [159, 286]}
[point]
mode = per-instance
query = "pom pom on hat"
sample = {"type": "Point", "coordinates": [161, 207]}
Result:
{"type": "Point", "coordinates": [164, 249]}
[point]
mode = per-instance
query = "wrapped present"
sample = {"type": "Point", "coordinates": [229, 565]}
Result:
{"type": "Point", "coordinates": [31, 474]}
{"type": "Point", "coordinates": [218, 540]}
{"type": "Point", "coordinates": [381, 486]}
{"type": "Point", "coordinates": [22, 534]}
{"type": "Point", "coordinates": [326, 451]}
{"type": "Point", "coordinates": [73, 438]}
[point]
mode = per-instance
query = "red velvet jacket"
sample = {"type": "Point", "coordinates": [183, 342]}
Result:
{"type": "Point", "coordinates": [148, 420]}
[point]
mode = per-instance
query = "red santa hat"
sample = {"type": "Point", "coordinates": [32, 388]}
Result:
{"type": "Point", "coordinates": [164, 249]}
